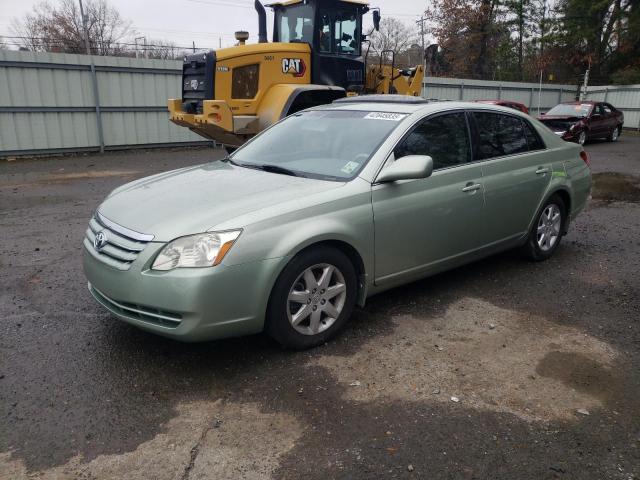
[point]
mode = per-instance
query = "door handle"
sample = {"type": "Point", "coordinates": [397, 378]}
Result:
{"type": "Point", "coordinates": [472, 187]}
{"type": "Point", "coordinates": [542, 170]}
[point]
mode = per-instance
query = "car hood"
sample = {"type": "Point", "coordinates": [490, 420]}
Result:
{"type": "Point", "coordinates": [195, 199]}
{"type": "Point", "coordinates": [568, 118]}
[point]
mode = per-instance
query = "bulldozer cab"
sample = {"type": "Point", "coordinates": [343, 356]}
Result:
{"type": "Point", "coordinates": [333, 29]}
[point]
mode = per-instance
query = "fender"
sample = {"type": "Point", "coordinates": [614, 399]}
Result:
{"type": "Point", "coordinates": [278, 101]}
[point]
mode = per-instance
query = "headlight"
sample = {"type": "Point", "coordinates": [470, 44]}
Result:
{"type": "Point", "coordinates": [195, 251]}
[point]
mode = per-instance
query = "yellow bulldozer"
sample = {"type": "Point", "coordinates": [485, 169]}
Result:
{"type": "Point", "coordinates": [230, 94]}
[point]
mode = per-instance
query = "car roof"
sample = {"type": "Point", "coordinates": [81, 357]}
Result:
{"type": "Point", "coordinates": [424, 106]}
{"type": "Point", "coordinates": [498, 101]}
{"type": "Point", "coordinates": [579, 102]}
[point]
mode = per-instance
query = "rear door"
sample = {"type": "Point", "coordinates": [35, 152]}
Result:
{"type": "Point", "coordinates": [421, 223]}
{"type": "Point", "coordinates": [515, 172]}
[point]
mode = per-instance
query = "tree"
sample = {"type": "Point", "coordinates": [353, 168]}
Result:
{"type": "Point", "coordinates": [469, 33]}
{"type": "Point", "coordinates": [163, 50]}
{"type": "Point", "coordinates": [593, 29]}
{"type": "Point", "coordinates": [394, 35]}
{"type": "Point", "coordinates": [59, 28]}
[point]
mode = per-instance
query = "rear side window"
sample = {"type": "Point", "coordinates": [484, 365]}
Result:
{"type": "Point", "coordinates": [606, 108]}
{"type": "Point", "coordinates": [445, 138]}
{"type": "Point", "coordinates": [499, 135]}
{"type": "Point", "coordinates": [534, 141]}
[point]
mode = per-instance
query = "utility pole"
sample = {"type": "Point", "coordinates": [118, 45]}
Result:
{"type": "Point", "coordinates": [194, 46]}
{"type": "Point", "coordinates": [94, 79]}
{"type": "Point", "coordinates": [424, 52]}
{"type": "Point", "coordinates": [421, 22]}
{"type": "Point", "coordinates": [585, 83]}
{"type": "Point", "coordinates": [84, 27]}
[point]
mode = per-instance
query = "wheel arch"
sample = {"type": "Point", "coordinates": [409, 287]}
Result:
{"type": "Point", "coordinates": [563, 192]}
{"type": "Point", "coordinates": [352, 253]}
{"type": "Point", "coordinates": [284, 99]}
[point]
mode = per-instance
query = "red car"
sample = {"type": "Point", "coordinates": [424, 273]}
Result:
{"type": "Point", "coordinates": [521, 107]}
{"type": "Point", "coordinates": [581, 121]}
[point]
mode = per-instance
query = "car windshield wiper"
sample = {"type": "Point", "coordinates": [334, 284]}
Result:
{"type": "Point", "coordinates": [277, 169]}
{"type": "Point", "coordinates": [266, 167]}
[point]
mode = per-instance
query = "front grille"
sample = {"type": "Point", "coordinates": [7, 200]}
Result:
{"type": "Point", "coordinates": [143, 313]}
{"type": "Point", "coordinates": [198, 80]}
{"type": "Point", "coordinates": [120, 246]}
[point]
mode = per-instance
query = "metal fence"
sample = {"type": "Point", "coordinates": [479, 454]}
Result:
{"type": "Point", "coordinates": [55, 103]}
{"type": "Point", "coordinates": [538, 98]}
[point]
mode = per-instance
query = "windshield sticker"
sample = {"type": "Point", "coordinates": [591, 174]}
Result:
{"type": "Point", "coordinates": [350, 167]}
{"type": "Point", "coordinates": [394, 117]}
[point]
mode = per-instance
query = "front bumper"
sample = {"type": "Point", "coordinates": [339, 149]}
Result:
{"type": "Point", "coordinates": [188, 304]}
{"type": "Point", "coordinates": [568, 135]}
{"type": "Point", "coordinates": [216, 122]}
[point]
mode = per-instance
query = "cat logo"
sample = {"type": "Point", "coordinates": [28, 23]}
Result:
{"type": "Point", "coordinates": [294, 66]}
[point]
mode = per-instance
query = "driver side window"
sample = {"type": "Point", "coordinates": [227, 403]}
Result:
{"type": "Point", "coordinates": [445, 138]}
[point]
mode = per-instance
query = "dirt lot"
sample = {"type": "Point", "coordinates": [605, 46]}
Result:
{"type": "Point", "coordinates": [543, 359]}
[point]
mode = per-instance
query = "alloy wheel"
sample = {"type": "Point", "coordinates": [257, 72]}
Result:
{"type": "Point", "coordinates": [316, 299]}
{"type": "Point", "coordinates": [582, 138]}
{"type": "Point", "coordinates": [549, 225]}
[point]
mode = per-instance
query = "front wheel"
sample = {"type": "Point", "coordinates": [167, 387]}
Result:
{"type": "Point", "coordinates": [312, 299]}
{"type": "Point", "coordinates": [582, 138]}
{"type": "Point", "coordinates": [546, 233]}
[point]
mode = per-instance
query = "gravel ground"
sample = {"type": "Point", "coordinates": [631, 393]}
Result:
{"type": "Point", "coordinates": [501, 369]}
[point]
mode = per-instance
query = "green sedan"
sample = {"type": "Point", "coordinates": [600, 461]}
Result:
{"type": "Point", "coordinates": [326, 208]}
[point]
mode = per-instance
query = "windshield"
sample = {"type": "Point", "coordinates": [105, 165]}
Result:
{"type": "Point", "coordinates": [295, 24]}
{"type": "Point", "coordinates": [327, 144]}
{"type": "Point", "coordinates": [571, 109]}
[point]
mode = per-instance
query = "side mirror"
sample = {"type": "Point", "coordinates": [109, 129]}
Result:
{"type": "Point", "coordinates": [376, 20]}
{"type": "Point", "coordinates": [410, 167]}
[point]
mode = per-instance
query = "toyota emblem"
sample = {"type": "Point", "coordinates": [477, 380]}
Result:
{"type": "Point", "coordinates": [194, 84]}
{"type": "Point", "coordinates": [100, 241]}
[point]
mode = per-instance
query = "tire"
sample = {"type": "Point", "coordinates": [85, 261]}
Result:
{"type": "Point", "coordinates": [582, 137]}
{"type": "Point", "coordinates": [546, 232]}
{"type": "Point", "coordinates": [614, 135]}
{"type": "Point", "coordinates": [301, 314]}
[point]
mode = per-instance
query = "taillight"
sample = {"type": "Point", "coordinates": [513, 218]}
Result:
{"type": "Point", "coordinates": [585, 158]}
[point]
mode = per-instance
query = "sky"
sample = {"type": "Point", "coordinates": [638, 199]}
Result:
{"type": "Point", "coordinates": [208, 23]}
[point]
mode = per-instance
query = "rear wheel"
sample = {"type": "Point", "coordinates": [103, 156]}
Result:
{"type": "Point", "coordinates": [546, 233]}
{"type": "Point", "coordinates": [312, 299]}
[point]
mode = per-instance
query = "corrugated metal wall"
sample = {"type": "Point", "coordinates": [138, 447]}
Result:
{"type": "Point", "coordinates": [47, 103]}
{"type": "Point", "coordinates": [535, 98]}
{"type": "Point", "coordinates": [625, 98]}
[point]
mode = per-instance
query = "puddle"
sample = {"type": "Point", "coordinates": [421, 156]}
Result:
{"type": "Point", "coordinates": [205, 440]}
{"type": "Point", "coordinates": [616, 187]}
{"type": "Point", "coordinates": [524, 365]}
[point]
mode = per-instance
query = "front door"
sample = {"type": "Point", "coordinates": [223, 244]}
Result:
{"type": "Point", "coordinates": [420, 224]}
{"type": "Point", "coordinates": [598, 122]}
